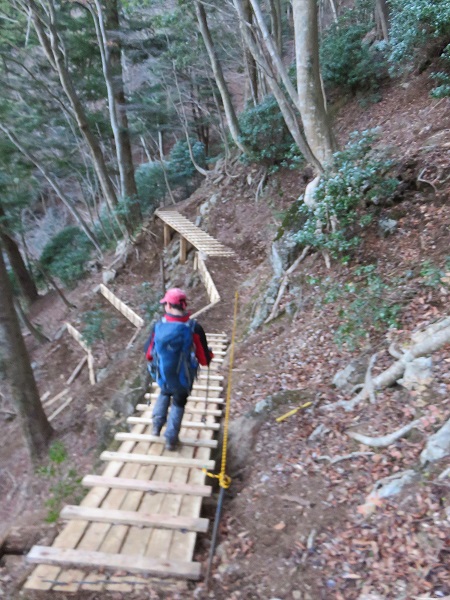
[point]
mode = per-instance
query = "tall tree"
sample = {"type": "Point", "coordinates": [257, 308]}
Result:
{"type": "Point", "coordinates": [230, 113]}
{"type": "Point", "coordinates": [311, 98]}
{"type": "Point", "coordinates": [15, 359]}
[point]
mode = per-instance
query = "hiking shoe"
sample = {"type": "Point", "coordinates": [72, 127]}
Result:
{"type": "Point", "coordinates": [171, 445]}
{"type": "Point", "coordinates": [156, 430]}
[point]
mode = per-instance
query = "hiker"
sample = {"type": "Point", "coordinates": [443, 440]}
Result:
{"type": "Point", "coordinates": [175, 348]}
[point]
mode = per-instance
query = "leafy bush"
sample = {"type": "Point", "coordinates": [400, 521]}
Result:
{"type": "Point", "coordinates": [442, 77]}
{"type": "Point", "coordinates": [151, 185]}
{"type": "Point", "coordinates": [181, 167]}
{"type": "Point", "coordinates": [347, 60]}
{"type": "Point", "coordinates": [416, 23]}
{"type": "Point", "coordinates": [66, 483]}
{"type": "Point", "coordinates": [66, 255]}
{"type": "Point", "coordinates": [358, 173]}
{"type": "Point", "coordinates": [264, 132]}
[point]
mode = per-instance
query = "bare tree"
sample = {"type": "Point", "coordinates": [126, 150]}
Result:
{"type": "Point", "coordinates": [382, 17]}
{"type": "Point", "coordinates": [15, 359]}
{"type": "Point", "coordinates": [230, 113]}
{"type": "Point", "coordinates": [311, 99]}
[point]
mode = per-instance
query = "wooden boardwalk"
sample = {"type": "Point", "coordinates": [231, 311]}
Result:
{"type": "Point", "coordinates": [140, 519]}
{"type": "Point", "coordinates": [192, 234]}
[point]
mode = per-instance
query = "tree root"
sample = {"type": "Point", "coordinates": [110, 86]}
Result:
{"type": "Point", "coordinates": [428, 344]}
{"type": "Point", "coordinates": [337, 459]}
{"type": "Point", "coordinates": [384, 440]}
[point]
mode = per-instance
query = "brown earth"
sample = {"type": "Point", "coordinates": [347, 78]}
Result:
{"type": "Point", "coordinates": [292, 525]}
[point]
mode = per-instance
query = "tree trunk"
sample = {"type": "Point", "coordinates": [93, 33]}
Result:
{"type": "Point", "coordinates": [382, 15]}
{"type": "Point", "coordinates": [26, 282]}
{"type": "Point", "coordinates": [310, 91]}
{"type": "Point", "coordinates": [275, 24]}
{"type": "Point", "coordinates": [110, 52]}
{"type": "Point", "coordinates": [40, 337]}
{"type": "Point", "coordinates": [230, 114]}
{"type": "Point", "coordinates": [85, 227]}
{"type": "Point", "coordinates": [14, 356]}
{"type": "Point", "coordinates": [250, 63]}
{"type": "Point", "coordinates": [51, 44]}
{"type": "Point", "coordinates": [286, 109]}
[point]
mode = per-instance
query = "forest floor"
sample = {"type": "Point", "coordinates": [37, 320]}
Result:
{"type": "Point", "coordinates": [295, 525]}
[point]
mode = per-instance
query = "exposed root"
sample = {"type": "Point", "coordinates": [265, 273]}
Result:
{"type": "Point", "coordinates": [384, 440]}
{"type": "Point", "coordinates": [261, 185]}
{"type": "Point", "coordinates": [337, 459]}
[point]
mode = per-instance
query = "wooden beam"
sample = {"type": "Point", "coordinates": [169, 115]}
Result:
{"type": "Point", "coordinates": [63, 557]}
{"type": "Point", "coordinates": [60, 409]}
{"type": "Point", "coordinates": [77, 370]}
{"type": "Point", "coordinates": [125, 310]}
{"type": "Point", "coordinates": [77, 336]}
{"type": "Point", "coordinates": [90, 360]}
{"type": "Point", "coordinates": [132, 518]}
{"type": "Point", "coordinates": [154, 439]}
{"type": "Point", "coordinates": [167, 235]}
{"type": "Point", "coordinates": [55, 398]}
{"type": "Point", "coordinates": [139, 485]}
{"type": "Point", "coordinates": [189, 424]}
{"type": "Point", "coordinates": [149, 459]}
{"type": "Point", "coordinates": [191, 398]}
{"type": "Point", "coordinates": [192, 411]}
{"type": "Point", "coordinates": [183, 250]}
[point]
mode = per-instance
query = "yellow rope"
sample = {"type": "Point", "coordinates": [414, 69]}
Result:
{"type": "Point", "coordinates": [224, 479]}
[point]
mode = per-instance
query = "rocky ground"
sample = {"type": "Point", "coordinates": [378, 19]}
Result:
{"type": "Point", "coordinates": [306, 517]}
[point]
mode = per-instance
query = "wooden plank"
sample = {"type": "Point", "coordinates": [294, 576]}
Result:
{"type": "Point", "coordinates": [128, 517]}
{"type": "Point", "coordinates": [148, 459]}
{"type": "Point", "coordinates": [90, 359]}
{"type": "Point", "coordinates": [125, 310]}
{"type": "Point", "coordinates": [199, 386]}
{"type": "Point", "coordinates": [155, 487]}
{"type": "Point", "coordinates": [77, 336]}
{"type": "Point", "coordinates": [133, 564]}
{"type": "Point", "coordinates": [45, 396]}
{"type": "Point", "coordinates": [55, 398]}
{"type": "Point", "coordinates": [183, 250]}
{"type": "Point", "coordinates": [60, 409]}
{"type": "Point", "coordinates": [167, 235]}
{"type": "Point", "coordinates": [148, 421]}
{"type": "Point", "coordinates": [211, 400]}
{"type": "Point", "coordinates": [200, 411]}
{"type": "Point", "coordinates": [77, 370]}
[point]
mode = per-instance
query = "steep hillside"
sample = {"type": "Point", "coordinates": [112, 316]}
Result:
{"type": "Point", "coordinates": [296, 523]}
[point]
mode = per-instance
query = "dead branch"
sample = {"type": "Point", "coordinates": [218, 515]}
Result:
{"type": "Point", "coordinates": [284, 283]}
{"type": "Point", "coordinates": [261, 185]}
{"type": "Point", "coordinates": [421, 180]}
{"type": "Point", "coordinates": [427, 346]}
{"type": "Point", "coordinates": [384, 440]}
{"type": "Point", "coordinates": [395, 352]}
{"type": "Point", "coordinates": [337, 459]}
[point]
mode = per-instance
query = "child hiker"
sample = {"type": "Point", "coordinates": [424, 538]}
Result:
{"type": "Point", "coordinates": [175, 348]}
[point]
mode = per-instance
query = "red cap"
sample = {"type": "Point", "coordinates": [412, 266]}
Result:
{"type": "Point", "coordinates": [174, 296]}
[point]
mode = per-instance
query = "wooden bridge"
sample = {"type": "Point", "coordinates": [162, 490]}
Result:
{"type": "Point", "coordinates": [190, 234]}
{"type": "Point", "coordinates": [140, 519]}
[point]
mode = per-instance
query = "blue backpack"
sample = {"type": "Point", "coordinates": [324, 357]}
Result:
{"type": "Point", "coordinates": [174, 363]}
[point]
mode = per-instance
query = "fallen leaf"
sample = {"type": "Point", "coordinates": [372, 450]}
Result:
{"type": "Point", "coordinates": [279, 526]}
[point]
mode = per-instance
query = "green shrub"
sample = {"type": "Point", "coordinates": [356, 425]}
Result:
{"type": "Point", "coordinates": [98, 326]}
{"type": "Point", "coordinates": [442, 77]}
{"type": "Point", "coordinates": [264, 132]}
{"type": "Point", "coordinates": [66, 483]}
{"type": "Point", "coordinates": [416, 24]}
{"type": "Point", "coordinates": [66, 255]}
{"type": "Point", "coordinates": [347, 61]}
{"type": "Point", "coordinates": [358, 175]}
{"type": "Point", "coordinates": [151, 186]}
{"type": "Point", "coordinates": [181, 168]}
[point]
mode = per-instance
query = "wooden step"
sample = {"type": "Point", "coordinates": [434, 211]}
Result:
{"type": "Point", "coordinates": [154, 396]}
{"type": "Point", "coordinates": [192, 411]}
{"type": "Point", "coordinates": [149, 459]}
{"type": "Point", "coordinates": [116, 562]}
{"type": "Point", "coordinates": [132, 518]}
{"type": "Point", "coordinates": [153, 439]}
{"type": "Point", "coordinates": [139, 485]}
{"type": "Point", "coordinates": [190, 424]}
{"type": "Point", "coordinates": [198, 386]}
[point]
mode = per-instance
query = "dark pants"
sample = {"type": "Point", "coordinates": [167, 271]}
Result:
{"type": "Point", "coordinates": [176, 412]}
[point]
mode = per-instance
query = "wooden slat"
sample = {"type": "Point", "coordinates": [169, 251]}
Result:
{"type": "Point", "coordinates": [154, 396]}
{"type": "Point", "coordinates": [60, 409]}
{"type": "Point", "coordinates": [199, 386]}
{"type": "Point", "coordinates": [155, 487]}
{"type": "Point", "coordinates": [133, 564]}
{"type": "Point", "coordinates": [148, 459]}
{"type": "Point", "coordinates": [125, 310]}
{"type": "Point", "coordinates": [148, 421]}
{"type": "Point", "coordinates": [147, 437]}
{"type": "Point", "coordinates": [128, 517]}
{"type": "Point", "coordinates": [199, 411]}
{"type": "Point", "coordinates": [77, 336]}
{"type": "Point", "coordinates": [77, 370]}
{"type": "Point", "coordinates": [55, 398]}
